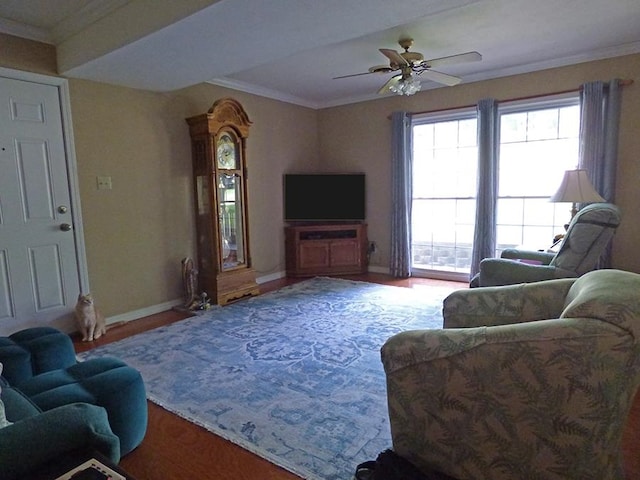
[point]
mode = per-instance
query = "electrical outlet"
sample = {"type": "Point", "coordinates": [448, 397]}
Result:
{"type": "Point", "coordinates": [104, 183]}
{"type": "Point", "coordinates": [373, 247]}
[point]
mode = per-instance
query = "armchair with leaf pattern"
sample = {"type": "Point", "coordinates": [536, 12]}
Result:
{"type": "Point", "coordinates": [528, 381]}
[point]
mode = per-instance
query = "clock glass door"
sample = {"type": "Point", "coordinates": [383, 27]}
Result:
{"type": "Point", "coordinates": [230, 208]}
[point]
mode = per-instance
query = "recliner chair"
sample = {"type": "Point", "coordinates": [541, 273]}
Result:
{"type": "Point", "coordinates": [524, 381]}
{"type": "Point", "coordinates": [588, 234]}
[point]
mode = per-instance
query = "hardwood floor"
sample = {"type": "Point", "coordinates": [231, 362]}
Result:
{"type": "Point", "coordinates": [175, 449]}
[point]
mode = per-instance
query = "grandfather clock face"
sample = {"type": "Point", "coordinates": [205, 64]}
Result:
{"type": "Point", "coordinates": [230, 209]}
{"type": "Point", "coordinates": [227, 152]}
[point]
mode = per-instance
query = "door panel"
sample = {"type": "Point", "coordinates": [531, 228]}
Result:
{"type": "Point", "coordinates": [39, 279]}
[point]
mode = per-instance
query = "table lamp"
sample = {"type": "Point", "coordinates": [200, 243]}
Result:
{"type": "Point", "coordinates": [576, 188]}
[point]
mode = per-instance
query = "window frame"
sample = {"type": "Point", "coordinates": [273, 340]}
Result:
{"type": "Point", "coordinates": [459, 114]}
{"type": "Point", "coordinates": [528, 105]}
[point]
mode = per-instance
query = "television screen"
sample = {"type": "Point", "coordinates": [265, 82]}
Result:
{"type": "Point", "coordinates": [324, 197]}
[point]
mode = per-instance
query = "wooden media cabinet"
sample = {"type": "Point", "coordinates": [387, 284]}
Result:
{"type": "Point", "coordinates": [326, 249]}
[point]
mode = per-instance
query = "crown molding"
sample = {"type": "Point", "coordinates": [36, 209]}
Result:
{"type": "Point", "coordinates": [82, 18]}
{"type": "Point", "coordinates": [74, 23]}
{"type": "Point", "coordinates": [22, 30]}
{"type": "Point", "coordinates": [601, 54]}
{"type": "Point", "coordinates": [595, 55]}
{"type": "Point", "coordinates": [262, 92]}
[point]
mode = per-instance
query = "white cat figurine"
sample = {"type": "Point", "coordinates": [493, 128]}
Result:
{"type": "Point", "coordinates": [89, 320]}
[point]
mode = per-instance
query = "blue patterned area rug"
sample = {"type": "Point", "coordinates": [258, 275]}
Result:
{"type": "Point", "coordinates": [292, 375]}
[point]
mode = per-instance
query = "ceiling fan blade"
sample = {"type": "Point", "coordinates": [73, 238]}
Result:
{"type": "Point", "coordinates": [395, 57]}
{"type": "Point", "coordinates": [460, 58]}
{"type": "Point", "coordinates": [392, 81]}
{"type": "Point", "coordinates": [440, 77]}
{"type": "Point", "coordinates": [353, 75]}
{"type": "Point", "coordinates": [376, 69]}
{"type": "Point", "coordinates": [381, 69]}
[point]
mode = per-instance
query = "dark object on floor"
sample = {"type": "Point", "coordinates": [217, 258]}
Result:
{"type": "Point", "coordinates": [391, 466]}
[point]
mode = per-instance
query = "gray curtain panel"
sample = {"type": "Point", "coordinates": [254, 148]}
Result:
{"type": "Point", "coordinates": [401, 192]}
{"type": "Point", "coordinates": [599, 121]}
{"type": "Point", "coordinates": [600, 114]}
{"type": "Point", "coordinates": [484, 239]}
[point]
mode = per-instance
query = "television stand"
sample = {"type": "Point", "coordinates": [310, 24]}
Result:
{"type": "Point", "coordinates": [326, 249]}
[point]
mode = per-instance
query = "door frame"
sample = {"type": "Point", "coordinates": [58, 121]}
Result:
{"type": "Point", "coordinates": [62, 84]}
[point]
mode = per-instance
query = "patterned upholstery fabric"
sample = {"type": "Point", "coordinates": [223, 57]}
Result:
{"type": "Point", "coordinates": [530, 381]}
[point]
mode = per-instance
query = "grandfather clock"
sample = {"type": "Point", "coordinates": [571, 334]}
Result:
{"type": "Point", "coordinates": [218, 140]}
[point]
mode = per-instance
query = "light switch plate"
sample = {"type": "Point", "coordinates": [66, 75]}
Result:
{"type": "Point", "coordinates": [104, 183]}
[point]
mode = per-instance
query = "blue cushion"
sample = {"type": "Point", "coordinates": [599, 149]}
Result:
{"type": "Point", "coordinates": [106, 381]}
{"type": "Point", "coordinates": [68, 431]}
{"type": "Point", "coordinates": [33, 351]}
{"type": "Point", "coordinates": [17, 406]}
{"type": "Point", "coordinates": [16, 361]}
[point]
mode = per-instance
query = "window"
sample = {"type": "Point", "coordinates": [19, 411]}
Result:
{"type": "Point", "coordinates": [538, 142]}
{"type": "Point", "coordinates": [444, 187]}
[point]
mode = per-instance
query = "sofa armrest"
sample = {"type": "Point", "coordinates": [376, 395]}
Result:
{"type": "Point", "coordinates": [505, 305]}
{"type": "Point", "coordinates": [535, 255]}
{"type": "Point", "coordinates": [32, 442]}
{"type": "Point", "coordinates": [503, 271]}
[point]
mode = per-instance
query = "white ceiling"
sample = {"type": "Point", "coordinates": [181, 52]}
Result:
{"type": "Point", "coordinates": [292, 49]}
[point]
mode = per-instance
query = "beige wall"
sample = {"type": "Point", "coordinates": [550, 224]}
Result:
{"type": "Point", "coordinates": [27, 55]}
{"type": "Point", "coordinates": [137, 233]}
{"type": "Point", "coordinates": [358, 137]}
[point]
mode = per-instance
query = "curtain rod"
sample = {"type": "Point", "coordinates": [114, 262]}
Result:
{"type": "Point", "coordinates": [623, 83]}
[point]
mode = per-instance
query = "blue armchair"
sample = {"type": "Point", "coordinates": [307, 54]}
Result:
{"type": "Point", "coordinates": [61, 407]}
{"type": "Point", "coordinates": [588, 234]}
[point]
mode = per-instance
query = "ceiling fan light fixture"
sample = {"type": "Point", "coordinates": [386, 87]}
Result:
{"type": "Point", "coordinates": [406, 86]}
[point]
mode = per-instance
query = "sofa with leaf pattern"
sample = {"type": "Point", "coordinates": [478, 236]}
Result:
{"type": "Point", "coordinates": [528, 381]}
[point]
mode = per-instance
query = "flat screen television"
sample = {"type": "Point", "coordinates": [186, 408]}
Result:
{"type": "Point", "coordinates": [324, 197]}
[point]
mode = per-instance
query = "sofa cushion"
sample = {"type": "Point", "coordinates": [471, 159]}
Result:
{"type": "Point", "coordinates": [41, 441]}
{"type": "Point", "coordinates": [16, 360]}
{"type": "Point", "coordinates": [17, 405]}
{"type": "Point", "coordinates": [105, 381]}
{"type": "Point", "coordinates": [13, 404]}
{"type": "Point", "coordinates": [33, 351]}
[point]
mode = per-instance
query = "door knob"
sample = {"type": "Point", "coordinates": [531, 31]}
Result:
{"type": "Point", "coordinates": [65, 227]}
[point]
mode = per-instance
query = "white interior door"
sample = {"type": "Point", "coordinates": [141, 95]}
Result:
{"type": "Point", "coordinates": [39, 274]}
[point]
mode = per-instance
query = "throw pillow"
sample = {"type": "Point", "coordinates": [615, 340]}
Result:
{"type": "Point", "coordinates": [3, 418]}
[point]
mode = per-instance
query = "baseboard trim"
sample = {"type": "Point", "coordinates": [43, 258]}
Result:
{"type": "Point", "coordinates": [143, 312]}
{"type": "Point", "coordinates": [270, 277]}
{"type": "Point", "coordinates": [375, 269]}
{"type": "Point", "coordinates": [163, 307]}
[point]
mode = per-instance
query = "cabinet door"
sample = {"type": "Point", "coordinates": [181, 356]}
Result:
{"type": "Point", "coordinates": [344, 253]}
{"type": "Point", "coordinates": [314, 255]}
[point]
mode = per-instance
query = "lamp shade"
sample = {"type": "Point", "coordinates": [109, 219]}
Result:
{"type": "Point", "coordinates": [576, 188]}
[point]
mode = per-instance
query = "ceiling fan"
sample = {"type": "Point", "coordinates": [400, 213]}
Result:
{"type": "Point", "coordinates": [410, 63]}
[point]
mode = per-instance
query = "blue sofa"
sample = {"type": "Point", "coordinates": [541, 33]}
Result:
{"type": "Point", "coordinates": [60, 407]}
